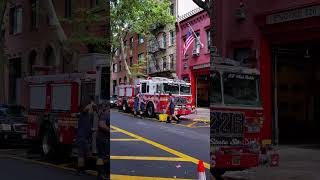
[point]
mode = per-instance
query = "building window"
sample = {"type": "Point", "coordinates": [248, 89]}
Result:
{"type": "Point", "coordinates": [34, 14]}
{"type": "Point", "coordinates": [115, 69]}
{"type": "Point", "coordinates": [131, 42]}
{"type": "Point", "coordinates": [197, 43]}
{"type": "Point", "coordinates": [131, 61]}
{"type": "Point", "coordinates": [164, 40]}
{"type": "Point", "coordinates": [171, 9]}
{"type": "Point", "coordinates": [119, 81]}
{"type": "Point", "coordinates": [185, 66]}
{"type": "Point", "coordinates": [186, 79]}
{"type": "Point", "coordinates": [164, 63]}
{"type": "Point", "coordinates": [208, 40]}
{"type": "Point", "coordinates": [242, 54]}
{"type": "Point", "coordinates": [125, 79]}
{"type": "Point", "coordinates": [141, 39]}
{"type": "Point", "coordinates": [171, 62]}
{"type": "Point", "coordinates": [119, 66]}
{"type": "Point", "coordinates": [141, 58]}
{"type": "Point", "coordinates": [16, 20]}
{"type": "Point", "coordinates": [67, 8]}
{"type": "Point", "coordinates": [171, 38]}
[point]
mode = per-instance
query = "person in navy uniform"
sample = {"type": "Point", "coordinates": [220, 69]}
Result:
{"type": "Point", "coordinates": [136, 105]}
{"type": "Point", "coordinates": [103, 144]}
{"type": "Point", "coordinates": [84, 135]}
{"type": "Point", "coordinates": [170, 109]}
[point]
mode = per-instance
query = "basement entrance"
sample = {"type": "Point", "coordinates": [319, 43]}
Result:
{"type": "Point", "coordinates": [296, 70]}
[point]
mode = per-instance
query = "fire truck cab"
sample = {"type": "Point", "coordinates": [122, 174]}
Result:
{"type": "Point", "coordinates": [155, 92]}
{"type": "Point", "coordinates": [240, 135]}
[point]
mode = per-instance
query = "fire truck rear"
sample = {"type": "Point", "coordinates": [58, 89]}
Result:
{"type": "Point", "coordinates": [55, 101]}
{"type": "Point", "coordinates": [240, 135]}
{"type": "Point", "coordinates": [155, 92]}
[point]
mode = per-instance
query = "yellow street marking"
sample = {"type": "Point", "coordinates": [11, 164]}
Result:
{"type": "Point", "coordinates": [201, 120]}
{"type": "Point", "coordinates": [146, 158]}
{"type": "Point", "coordinates": [200, 126]}
{"type": "Point", "coordinates": [64, 165]}
{"type": "Point", "coordinates": [190, 125]}
{"type": "Point", "coordinates": [41, 163]}
{"type": "Point", "coordinates": [123, 177]}
{"type": "Point", "coordinates": [112, 131]}
{"type": "Point", "coordinates": [125, 139]}
{"type": "Point", "coordinates": [160, 146]}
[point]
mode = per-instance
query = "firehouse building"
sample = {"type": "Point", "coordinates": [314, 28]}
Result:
{"type": "Point", "coordinates": [194, 66]}
{"type": "Point", "coordinates": [283, 37]}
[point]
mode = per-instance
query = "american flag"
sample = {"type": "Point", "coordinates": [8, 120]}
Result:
{"type": "Point", "coordinates": [188, 42]}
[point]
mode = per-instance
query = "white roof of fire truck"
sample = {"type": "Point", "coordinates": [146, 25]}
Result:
{"type": "Point", "coordinates": [162, 80]}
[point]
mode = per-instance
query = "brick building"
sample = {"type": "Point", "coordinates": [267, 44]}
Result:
{"type": "Point", "coordinates": [194, 66]}
{"type": "Point", "coordinates": [136, 52]}
{"type": "Point", "coordinates": [32, 44]}
{"type": "Point", "coordinates": [162, 49]}
{"type": "Point", "coordinates": [283, 38]}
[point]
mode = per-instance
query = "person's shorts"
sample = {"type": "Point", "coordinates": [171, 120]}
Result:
{"type": "Point", "coordinates": [83, 147]}
{"type": "Point", "coordinates": [103, 147]}
{"type": "Point", "coordinates": [171, 111]}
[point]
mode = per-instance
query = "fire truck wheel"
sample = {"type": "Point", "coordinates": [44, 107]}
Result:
{"type": "Point", "coordinates": [150, 110]}
{"type": "Point", "coordinates": [125, 107]}
{"type": "Point", "coordinates": [48, 143]}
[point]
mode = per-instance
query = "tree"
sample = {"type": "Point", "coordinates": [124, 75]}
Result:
{"type": "Point", "coordinates": [208, 5]}
{"type": "Point", "coordinates": [136, 16]}
{"type": "Point", "coordinates": [3, 59]}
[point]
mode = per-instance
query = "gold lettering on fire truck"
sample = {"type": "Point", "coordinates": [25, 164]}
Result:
{"type": "Point", "coordinates": [227, 128]}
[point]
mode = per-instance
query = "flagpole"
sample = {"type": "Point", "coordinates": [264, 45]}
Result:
{"type": "Point", "coordinates": [198, 38]}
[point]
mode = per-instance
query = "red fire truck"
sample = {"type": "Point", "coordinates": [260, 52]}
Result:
{"type": "Point", "coordinates": [240, 134]}
{"type": "Point", "coordinates": [155, 92]}
{"type": "Point", "coordinates": [55, 101]}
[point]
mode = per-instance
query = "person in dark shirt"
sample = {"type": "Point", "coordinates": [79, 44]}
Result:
{"type": "Point", "coordinates": [84, 135]}
{"type": "Point", "coordinates": [170, 108]}
{"type": "Point", "coordinates": [103, 145]}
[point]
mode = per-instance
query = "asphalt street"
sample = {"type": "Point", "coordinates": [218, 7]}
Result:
{"type": "Point", "coordinates": [151, 149]}
{"type": "Point", "coordinates": [13, 168]}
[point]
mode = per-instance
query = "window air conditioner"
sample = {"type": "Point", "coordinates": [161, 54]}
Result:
{"type": "Point", "coordinates": [196, 52]}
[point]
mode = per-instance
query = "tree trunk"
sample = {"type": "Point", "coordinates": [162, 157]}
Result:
{"type": "Point", "coordinates": [123, 55]}
{"type": "Point", "coordinates": [55, 21]}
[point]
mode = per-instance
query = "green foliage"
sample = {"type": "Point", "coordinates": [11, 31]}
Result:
{"type": "Point", "coordinates": [137, 16]}
{"type": "Point", "coordinates": [85, 27]}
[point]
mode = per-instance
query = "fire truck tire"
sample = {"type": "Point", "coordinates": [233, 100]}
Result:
{"type": "Point", "coordinates": [150, 110]}
{"type": "Point", "coordinates": [48, 143]}
{"type": "Point", "coordinates": [125, 107]}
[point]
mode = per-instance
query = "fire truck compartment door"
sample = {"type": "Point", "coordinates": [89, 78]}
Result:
{"type": "Point", "coordinates": [38, 97]}
{"type": "Point", "coordinates": [61, 97]}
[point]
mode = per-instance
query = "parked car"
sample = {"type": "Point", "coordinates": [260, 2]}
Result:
{"type": "Point", "coordinates": [13, 125]}
{"type": "Point", "coordinates": [113, 101]}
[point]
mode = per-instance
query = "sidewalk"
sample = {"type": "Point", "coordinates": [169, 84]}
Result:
{"type": "Point", "coordinates": [200, 114]}
{"type": "Point", "coordinates": [296, 163]}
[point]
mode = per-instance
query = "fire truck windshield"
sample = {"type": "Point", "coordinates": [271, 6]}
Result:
{"type": "Point", "coordinates": [171, 88]}
{"type": "Point", "coordinates": [238, 89]}
{"type": "Point", "coordinates": [185, 89]}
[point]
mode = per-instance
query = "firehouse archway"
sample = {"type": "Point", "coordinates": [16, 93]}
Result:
{"type": "Point", "coordinates": [49, 56]}
{"type": "Point", "coordinates": [297, 91]}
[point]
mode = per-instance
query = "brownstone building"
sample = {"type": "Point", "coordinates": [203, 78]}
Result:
{"type": "Point", "coordinates": [32, 41]}
{"type": "Point", "coordinates": [136, 52]}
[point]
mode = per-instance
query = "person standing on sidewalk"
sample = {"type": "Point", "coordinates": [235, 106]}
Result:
{"type": "Point", "coordinates": [170, 108]}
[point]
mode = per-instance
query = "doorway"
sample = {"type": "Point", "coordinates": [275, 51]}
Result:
{"type": "Point", "coordinates": [202, 88]}
{"type": "Point", "coordinates": [296, 70]}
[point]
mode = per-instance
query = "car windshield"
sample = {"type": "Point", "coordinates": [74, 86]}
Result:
{"type": "Point", "coordinates": [185, 89]}
{"type": "Point", "coordinates": [241, 89]}
{"type": "Point", "coordinates": [171, 88]}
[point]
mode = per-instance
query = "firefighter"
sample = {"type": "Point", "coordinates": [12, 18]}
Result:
{"type": "Point", "coordinates": [103, 138]}
{"type": "Point", "coordinates": [84, 135]}
{"type": "Point", "coordinates": [136, 105]}
{"type": "Point", "coordinates": [170, 109]}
